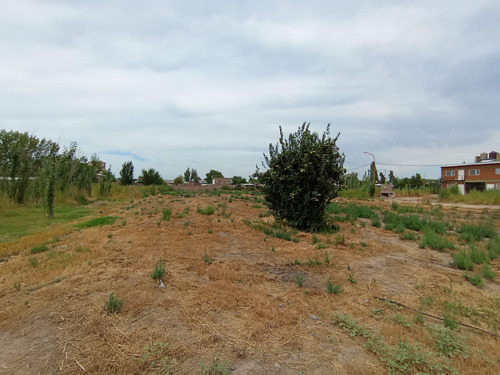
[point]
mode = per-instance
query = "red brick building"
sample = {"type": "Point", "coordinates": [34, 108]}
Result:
{"type": "Point", "coordinates": [483, 174]}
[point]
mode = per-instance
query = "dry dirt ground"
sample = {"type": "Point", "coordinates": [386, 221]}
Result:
{"type": "Point", "coordinates": [231, 294]}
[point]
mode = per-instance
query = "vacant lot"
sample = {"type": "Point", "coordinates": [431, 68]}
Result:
{"type": "Point", "coordinates": [248, 295]}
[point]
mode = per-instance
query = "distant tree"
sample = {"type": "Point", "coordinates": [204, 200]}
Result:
{"type": "Point", "coordinates": [304, 173]}
{"type": "Point", "coordinates": [21, 161]}
{"type": "Point", "coordinates": [416, 182]}
{"type": "Point", "coordinates": [151, 177]}
{"type": "Point", "coordinates": [238, 180]}
{"type": "Point", "coordinates": [50, 176]}
{"type": "Point", "coordinates": [127, 173]}
{"type": "Point", "coordinates": [391, 176]}
{"type": "Point", "coordinates": [213, 174]}
{"type": "Point", "coordinates": [105, 184]}
{"type": "Point", "coordinates": [178, 180]}
{"type": "Point", "coordinates": [194, 176]}
{"type": "Point", "coordinates": [382, 178]}
{"type": "Point", "coordinates": [187, 175]}
{"type": "Point", "coordinates": [351, 181]}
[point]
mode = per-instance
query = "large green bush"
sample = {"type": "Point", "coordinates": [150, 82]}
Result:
{"type": "Point", "coordinates": [304, 173]}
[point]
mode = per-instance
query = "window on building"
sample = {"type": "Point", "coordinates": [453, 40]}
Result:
{"type": "Point", "coordinates": [498, 186]}
{"type": "Point", "coordinates": [450, 173]}
{"type": "Point", "coordinates": [473, 172]}
{"type": "Point", "coordinates": [497, 171]}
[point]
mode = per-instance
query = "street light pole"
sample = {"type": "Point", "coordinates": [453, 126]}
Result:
{"type": "Point", "coordinates": [374, 169]}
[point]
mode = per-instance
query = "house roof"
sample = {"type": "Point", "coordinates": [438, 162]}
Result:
{"type": "Point", "coordinates": [485, 162]}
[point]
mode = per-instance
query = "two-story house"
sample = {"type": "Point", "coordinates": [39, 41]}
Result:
{"type": "Point", "coordinates": [483, 174]}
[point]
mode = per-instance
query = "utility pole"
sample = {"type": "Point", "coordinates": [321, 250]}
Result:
{"type": "Point", "coordinates": [374, 169]}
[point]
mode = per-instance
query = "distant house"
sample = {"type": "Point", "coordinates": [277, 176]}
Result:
{"type": "Point", "coordinates": [483, 174]}
{"type": "Point", "coordinates": [386, 191]}
{"type": "Point", "coordinates": [222, 181]}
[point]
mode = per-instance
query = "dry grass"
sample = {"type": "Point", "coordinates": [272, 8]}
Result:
{"type": "Point", "coordinates": [246, 307]}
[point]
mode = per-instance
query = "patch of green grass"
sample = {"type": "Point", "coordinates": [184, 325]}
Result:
{"type": "Point", "coordinates": [157, 358]}
{"type": "Point", "coordinates": [398, 319]}
{"type": "Point", "coordinates": [408, 236]}
{"type": "Point", "coordinates": [216, 367]}
{"type": "Point", "coordinates": [98, 222]}
{"type": "Point", "coordinates": [33, 262]}
{"type": "Point", "coordinates": [24, 221]}
{"type": "Point", "coordinates": [313, 262]}
{"type": "Point", "coordinates": [113, 304]}
{"type": "Point", "coordinates": [449, 343]}
{"type": "Point", "coordinates": [209, 210]}
{"type": "Point", "coordinates": [475, 279]}
{"type": "Point", "coordinates": [327, 258]}
{"type": "Point", "coordinates": [38, 249]}
{"type": "Point", "coordinates": [402, 357]}
{"type": "Point", "coordinates": [315, 239]}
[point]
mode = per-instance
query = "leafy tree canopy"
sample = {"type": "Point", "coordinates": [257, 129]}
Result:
{"type": "Point", "coordinates": [213, 174]}
{"type": "Point", "coordinates": [304, 173]}
{"type": "Point", "coordinates": [127, 173]}
{"type": "Point", "coordinates": [151, 177]}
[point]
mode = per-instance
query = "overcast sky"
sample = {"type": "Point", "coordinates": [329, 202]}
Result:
{"type": "Point", "coordinates": [206, 84]}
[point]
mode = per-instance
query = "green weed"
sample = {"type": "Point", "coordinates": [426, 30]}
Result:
{"type": "Point", "coordinates": [333, 289]}
{"type": "Point", "coordinates": [33, 261]}
{"type": "Point", "coordinates": [157, 358]}
{"type": "Point", "coordinates": [216, 367]}
{"type": "Point", "coordinates": [159, 270]}
{"type": "Point", "coordinates": [299, 279]}
{"type": "Point", "coordinates": [113, 304]}
{"type": "Point", "coordinates": [166, 212]}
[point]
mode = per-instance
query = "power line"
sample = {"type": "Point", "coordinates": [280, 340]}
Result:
{"type": "Point", "coordinates": [416, 165]}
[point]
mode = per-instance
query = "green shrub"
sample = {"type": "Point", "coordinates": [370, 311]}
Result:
{"type": "Point", "coordinates": [408, 236]}
{"type": "Point", "coordinates": [487, 272]}
{"type": "Point", "coordinates": [470, 233]}
{"type": "Point", "coordinates": [435, 241]}
{"type": "Point", "coordinates": [479, 256]}
{"type": "Point", "coordinates": [113, 304]}
{"type": "Point", "coordinates": [462, 260]}
{"type": "Point", "coordinates": [493, 247]}
{"type": "Point", "coordinates": [475, 279]}
{"type": "Point", "coordinates": [305, 172]}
